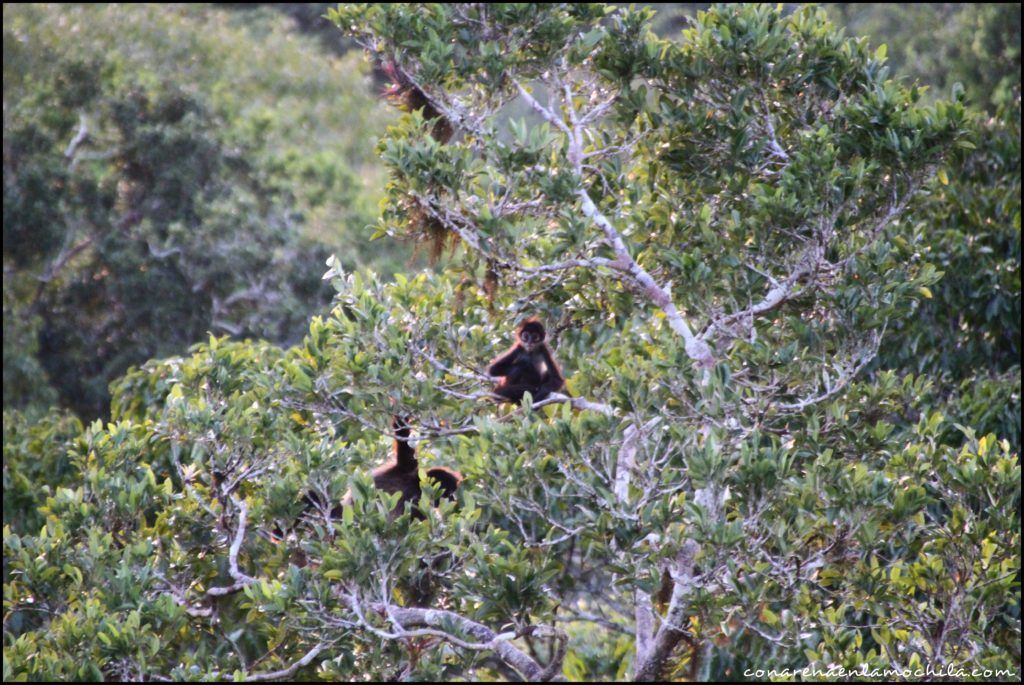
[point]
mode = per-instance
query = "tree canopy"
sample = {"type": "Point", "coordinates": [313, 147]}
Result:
{"type": "Point", "coordinates": [789, 437]}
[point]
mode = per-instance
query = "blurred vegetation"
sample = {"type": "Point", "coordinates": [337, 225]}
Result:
{"type": "Point", "coordinates": [933, 44]}
{"type": "Point", "coordinates": [170, 171]}
{"type": "Point", "coordinates": [309, 18]}
{"type": "Point", "coordinates": [939, 44]}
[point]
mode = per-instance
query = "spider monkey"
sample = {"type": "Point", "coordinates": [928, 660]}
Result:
{"type": "Point", "coordinates": [400, 474]}
{"type": "Point", "coordinates": [527, 366]}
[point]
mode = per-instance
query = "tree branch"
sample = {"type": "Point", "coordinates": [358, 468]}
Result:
{"type": "Point", "coordinates": [438, 622]}
{"type": "Point", "coordinates": [576, 402]}
{"type": "Point", "coordinates": [287, 673]}
{"type": "Point", "coordinates": [696, 348]}
{"type": "Point", "coordinates": [651, 663]}
{"type": "Point", "coordinates": [241, 579]}
{"type": "Point", "coordinates": [83, 133]}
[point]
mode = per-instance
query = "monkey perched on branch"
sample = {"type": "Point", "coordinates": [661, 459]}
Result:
{"type": "Point", "coordinates": [399, 474]}
{"type": "Point", "coordinates": [527, 366]}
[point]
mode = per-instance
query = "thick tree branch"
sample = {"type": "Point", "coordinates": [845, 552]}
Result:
{"type": "Point", "coordinates": [576, 402]}
{"type": "Point", "coordinates": [241, 579]}
{"type": "Point", "coordinates": [624, 263]}
{"type": "Point", "coordinates": [288, 673]}
{"type": "Point", "coordinates": [439, 622]}
{"type": "Point", "coordinates": [651, 663]}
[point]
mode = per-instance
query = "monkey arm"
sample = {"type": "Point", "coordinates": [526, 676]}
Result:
{"type": "Point", "coordinates": [500, 366]}
{"type": "Point", "coordinates": [553, 380]}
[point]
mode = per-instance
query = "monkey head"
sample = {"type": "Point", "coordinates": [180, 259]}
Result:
{"type": "Point", "coordinates": [531, 334]}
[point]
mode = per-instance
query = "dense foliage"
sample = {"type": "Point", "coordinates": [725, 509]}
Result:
{"type": "Point", "coordinates": [787, 442]}
{"type": "Point", "coordinates": [967, 336]}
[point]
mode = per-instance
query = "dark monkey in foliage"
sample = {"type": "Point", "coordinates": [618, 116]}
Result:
{"type": "Point", "coordinates": [527, 366]}
{"type": "Point", "coordinates": [400, 474]}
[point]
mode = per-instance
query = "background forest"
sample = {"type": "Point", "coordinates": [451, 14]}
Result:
{"type": "Point", "coordinates": [777, 252]}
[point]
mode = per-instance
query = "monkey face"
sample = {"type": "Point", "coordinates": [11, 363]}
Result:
{"type": "Point", "coordinates": [531, 338]}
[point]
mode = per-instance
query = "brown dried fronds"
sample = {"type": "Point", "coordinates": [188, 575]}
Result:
{"type": "Point", "coordinates": [430, 232]}
{"type": "Point", "coordinates": [491, 283]}
{"type": "Point", "coordinates": [410, 98]}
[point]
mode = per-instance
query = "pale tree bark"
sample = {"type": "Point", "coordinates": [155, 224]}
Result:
{"type": "Point", "coordinates": [657, 638]}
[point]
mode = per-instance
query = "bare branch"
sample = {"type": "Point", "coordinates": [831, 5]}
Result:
{"type": "Point", "coordinates": [288, 673]}
{"type": "Point", "coordinates": [438, 623]}
{"type": "Point", "coordinates": [627, 457]}
{"type": "Point", "coordinates": [546, 113]}
{"type": "Point", "coordinates": [64, 257]}
{"type": "Point", "coordinates": [696, 348]}
{"type": "Point", "coordinates": [83, 133]}
{"type": "Point", "coordinates": [241, 579]}
{"type": "Point", "coordinates": [844, 379]}
{"type": "Point", "coordinates": [780, 292]}
{"type": "Point", "coordinates": [227, 326]}
{"type": "Point", "coordinates": [576, 402]}
{"type": "Point", "coordinates": [773, 142]}
{"type": "Point", "coordinates": [588, 263]}
{"type": "Point", "coordinates": [162, 253]}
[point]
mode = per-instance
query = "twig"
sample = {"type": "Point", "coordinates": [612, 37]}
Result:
{"type": "Point", "coordinates": [83, 133]}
